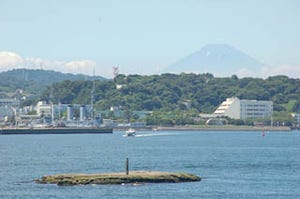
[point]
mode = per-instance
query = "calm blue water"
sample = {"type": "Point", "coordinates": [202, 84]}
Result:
{"type": "Point", "coordinates": [232, 164]}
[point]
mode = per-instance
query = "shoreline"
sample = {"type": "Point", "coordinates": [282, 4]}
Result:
{"type": "Point", "coordinates": [210, 128]}
{"type": "Point", "coordinates": [56, 130]}
{"type": "Point", "coordinates": [216, 128]}
{"type": "Point", "coordinates": [105, 130]}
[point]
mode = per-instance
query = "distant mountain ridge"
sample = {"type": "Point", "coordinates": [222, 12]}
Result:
{"type": "Point", "coordinates": [218, 59]}
{"type": "Point", "coordinates": [35, 80]}
{"type": "Point", "coordinates": [46, 77]}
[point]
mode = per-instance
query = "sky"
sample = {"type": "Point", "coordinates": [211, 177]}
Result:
{"type": "Point", "coordinates": [143, 37]}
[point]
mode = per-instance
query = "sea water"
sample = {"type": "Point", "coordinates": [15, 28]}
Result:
{"type": "Point", "coordinates": [231, 164]}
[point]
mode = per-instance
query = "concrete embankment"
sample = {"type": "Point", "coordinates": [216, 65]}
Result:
{"type": "Point", "coordinates": [55, 130]}
{"type": "Point", "coordinates": [223, 128]}
{"type": "Point", "coordinates": [118, 178]}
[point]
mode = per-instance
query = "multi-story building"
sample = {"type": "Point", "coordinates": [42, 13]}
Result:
{"type": "Point", "coordinates": [245, 109]}
{"type": "Point", "coordinates": [42, 108]}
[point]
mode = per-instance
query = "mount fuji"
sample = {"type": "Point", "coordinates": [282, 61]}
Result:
{"type": "Point", "coordinates": [218, 59]}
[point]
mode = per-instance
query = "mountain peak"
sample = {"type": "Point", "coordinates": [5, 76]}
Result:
{"type": "Point", "coordinates": [218, 59]}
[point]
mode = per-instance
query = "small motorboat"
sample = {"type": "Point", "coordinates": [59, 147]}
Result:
{"type": "Point", "coordinates": [130, 132]}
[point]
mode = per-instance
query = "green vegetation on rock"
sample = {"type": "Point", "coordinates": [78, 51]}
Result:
{"type": "Point", "coordinates": [118, 178]}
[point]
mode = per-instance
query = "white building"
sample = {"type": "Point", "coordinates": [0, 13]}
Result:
{"type": "Point", "coordinates": [43, 108]}
{"type": "Point", "coordinates": [245, 109]}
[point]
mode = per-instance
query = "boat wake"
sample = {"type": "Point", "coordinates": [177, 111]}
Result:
{"type": "Point", "coordinates": [155, 134]}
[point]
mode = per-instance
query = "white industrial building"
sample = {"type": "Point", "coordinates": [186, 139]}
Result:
{"type": "Point", "coordinates": [245, 109]}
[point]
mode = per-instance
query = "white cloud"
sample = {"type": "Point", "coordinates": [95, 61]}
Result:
{"type": "Point", "coordinates": [245, 72]}
{"type": "Point", "coordinates": [11, 60]}
{"type": "Point", "coordinates": [80, 66]}
{"type": "Point", "coordinates": [288, 70]}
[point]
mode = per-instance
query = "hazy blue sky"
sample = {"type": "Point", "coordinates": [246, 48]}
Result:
{"type": "Point", "coordinates": [145, 36]}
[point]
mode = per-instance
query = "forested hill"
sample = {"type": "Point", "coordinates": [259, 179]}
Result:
{"type": "Point", "coordinates": [34, 81]}
{"type": "Point", "coordinates": [170, 91]}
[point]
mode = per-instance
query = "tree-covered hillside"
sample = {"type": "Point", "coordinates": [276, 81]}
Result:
{"type": "Point", "coordinates": [168, 92]}
{"type": "Point", "coordinates": [35, 81]}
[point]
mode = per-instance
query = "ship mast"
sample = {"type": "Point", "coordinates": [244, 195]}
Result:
{"type": "Point", "coordinates": [93, 97]}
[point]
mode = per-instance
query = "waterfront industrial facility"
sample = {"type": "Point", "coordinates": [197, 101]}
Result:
{"type": "Point", "coordinates": [44, 114]}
